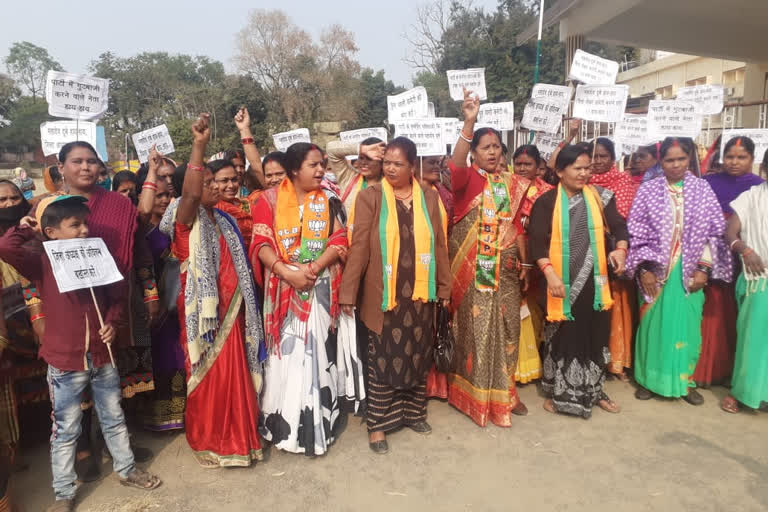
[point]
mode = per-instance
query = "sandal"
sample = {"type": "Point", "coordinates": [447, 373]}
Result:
{"type": "Point", "coordinates": [730, 404]}
{"type": "Point", "coordinates": [608, 405]}
{"type": "Point", "coordinates": [549, 406]}
{"type": "Point", "coordinates": [520, 409]}
{"type": "Point", "coordinates": [207, 463]}
{"type": "Point", "coordinates": [141, 479]}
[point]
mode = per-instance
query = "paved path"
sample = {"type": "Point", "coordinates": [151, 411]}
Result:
{"type": "Point", "coordinates": [658, 455]}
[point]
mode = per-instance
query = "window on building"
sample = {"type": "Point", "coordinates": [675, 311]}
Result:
{"type": "Point", "coordinates": [697, 81]}
{"type": "Point", "coordinates": [665, 92]}
{"type": "Point", "coordinates": [733, 77]}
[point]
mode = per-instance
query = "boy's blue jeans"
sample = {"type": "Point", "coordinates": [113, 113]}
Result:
{"type": "Point", "coordinates": [66, 388]}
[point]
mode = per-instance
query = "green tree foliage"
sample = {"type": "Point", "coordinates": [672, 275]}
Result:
{"type": "Point", "coordinates": [29, 65]}
{"type": "Point", "coordinates": [154, 88]}
{"type": "Point", "coordinates": [374, 89]}
{"type": "Point", "coordinates": [9, 93]}
{"type": "Point", "coordinates": [23, 130]}
{"type": "Point", "coordinates": [472, 37]}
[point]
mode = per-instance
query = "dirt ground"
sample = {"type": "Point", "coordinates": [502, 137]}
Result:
{"type": "Point", "coordinates": [660, 455]}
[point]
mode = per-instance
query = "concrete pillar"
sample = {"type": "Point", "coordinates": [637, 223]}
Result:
{"type": "Point", "coordinates": [755, 89]}
{"type": "Point", "coordinates": [572, 43]}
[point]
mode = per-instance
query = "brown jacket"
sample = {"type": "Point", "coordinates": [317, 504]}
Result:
{"type": "Point", "coordinates": [363, 265]}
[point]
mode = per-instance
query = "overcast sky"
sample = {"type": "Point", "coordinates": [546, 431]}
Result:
{"type": "Point", "coordinates": [77, 31]}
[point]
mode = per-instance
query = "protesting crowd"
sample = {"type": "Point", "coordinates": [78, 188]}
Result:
{"type": "Point", "coordinates": [265, 298]}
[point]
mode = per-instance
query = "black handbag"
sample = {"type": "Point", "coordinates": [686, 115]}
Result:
{"type": "Point", "coordinates": [444, 342]}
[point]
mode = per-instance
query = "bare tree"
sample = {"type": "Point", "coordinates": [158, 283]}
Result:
{"type": "Point", "coordinates": [305, 80]}
{"type": "Point", "coordinates": [425, 35]}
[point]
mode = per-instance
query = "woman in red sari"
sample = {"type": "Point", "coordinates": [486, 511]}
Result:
{"type": "Point", "coordinates": [487, 276]}
{"type": "Point", "coordinates": [221, 330]}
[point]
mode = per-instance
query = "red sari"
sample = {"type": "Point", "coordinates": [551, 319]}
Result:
{"type": "Point", "coordinates": [222, 413]}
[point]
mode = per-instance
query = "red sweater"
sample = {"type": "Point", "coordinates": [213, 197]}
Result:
{"type": "Point", "coordinates": [72, 324]}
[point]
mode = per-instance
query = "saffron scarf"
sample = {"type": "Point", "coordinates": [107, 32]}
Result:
{"type": "Point", "coordinates": [425, 285]}
{"type": "Point", "coordinates": [494, 209]}
{"type": "Point", "coordinates": [301, 236]}
{"type": "Point", "coordinates": [559, 309]}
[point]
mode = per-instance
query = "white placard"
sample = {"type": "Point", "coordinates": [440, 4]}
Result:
{"type": "Point", "coordinates": [542, 117]}
{"type": "Point", "coordinates": [758, 136]}
{"type": "Point", "coordinates": [54, 134]}
{"type": "Point", "coordinates": [451, 128]}
{"type": "Point", "coordinates": [158, 137]}
{"type": "Point", "coordinates": [558, 94]}
{"type": "Point", "coordinates": [593, 70]}
{"type": "Point", "coordinates": [430, 109]}
{"type": "Point", "coordinates": [472, 79]}
{"type": "Point", "coordinates": [76, 96]}
{"type": "Point", "coordinates": [602, 103]}
{"type": "Point", "coordinates": [547, 143]}
{"type": "Point", "coordinates": [498, 115]}
{"type": "Point", "coordinates": [284, 140]}
{"type": "Point", "coordinates": [411, 104]}
{"type": "Point", "coordinates": [80, 263]}
{"type": "Point", "coordinates": [358, 136]}
{"type": "Point", "coordinates": [709, 99]}
{"type": "Point", "coordinates": [426, 133]}
{"type": "Point", "coordinates": [673, 118]}
{"type": "Point", "coordinates": [633, 130]}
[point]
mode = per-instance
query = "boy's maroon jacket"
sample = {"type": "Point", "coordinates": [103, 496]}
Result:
{"type": "Point", "coordinates": [71, 322]}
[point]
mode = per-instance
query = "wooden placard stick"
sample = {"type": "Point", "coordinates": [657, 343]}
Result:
{"type": "Point", "coordinates": [101, 323]}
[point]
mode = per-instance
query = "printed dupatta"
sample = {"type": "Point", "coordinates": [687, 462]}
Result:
{"type": "Point", "coordinates": [464, 262]}
{"type": "Point", "coordinates": [279, 296]}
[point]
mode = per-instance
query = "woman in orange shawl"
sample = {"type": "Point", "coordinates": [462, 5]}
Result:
{"type": "Point", "coordinates": [298, 244]}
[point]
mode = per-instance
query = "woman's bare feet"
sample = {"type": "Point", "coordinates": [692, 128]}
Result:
{"type": "Point", "coordinates": [549, 406]}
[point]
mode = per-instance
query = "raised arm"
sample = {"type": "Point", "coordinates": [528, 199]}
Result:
{"type": "Point", "coordinates": [193, 178]}
{"type": "Point", "coordinates": [149, 188]}
{"type": "Point", "coordinates": [243, 123]}
{"type": "Point", "coordinates": [574, 125]}
{"type": "Point", "coordinates": [470, 109]}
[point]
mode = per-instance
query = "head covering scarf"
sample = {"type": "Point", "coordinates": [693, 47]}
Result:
{"type": "Point", "coordinates": [10, 216]}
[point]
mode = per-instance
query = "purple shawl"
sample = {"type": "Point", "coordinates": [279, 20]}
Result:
{"type": "Point", "coordinates": [650, 229]}
{"type": "Point", "coordinates": [727, 187]}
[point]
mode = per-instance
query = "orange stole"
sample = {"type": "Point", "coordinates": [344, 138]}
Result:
{"type": "Point", "coordinates": [463, 263]}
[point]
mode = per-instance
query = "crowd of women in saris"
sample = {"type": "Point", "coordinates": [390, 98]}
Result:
{"type": "Point", "coordinates": [270, 297]}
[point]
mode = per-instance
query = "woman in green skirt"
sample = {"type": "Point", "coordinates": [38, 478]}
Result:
{"type": "Point", "coordinates": [676, 245]}
{"type": "Point", "coordinates": [747, 235]}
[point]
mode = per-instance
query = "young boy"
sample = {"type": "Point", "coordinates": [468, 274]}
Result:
{"type": "Point", "coordinates": [74, 346]}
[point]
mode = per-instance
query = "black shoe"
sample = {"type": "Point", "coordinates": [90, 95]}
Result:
{"type": "Point", "coordinates": [379, 447]}
{"type": "Point", "coordinates": [421, 427]}
{"type": "Point", "coordinates": [694, 397]}
{"type": "Point", "coordinates": [643, 394]}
